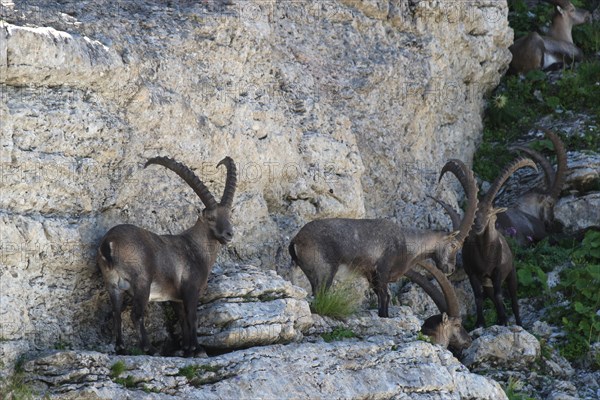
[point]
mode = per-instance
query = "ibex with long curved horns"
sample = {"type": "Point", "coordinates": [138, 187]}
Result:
{"type": "Point", "coordinates": [172, 268]}
{"type": "Point", "coordinates": [379, 249]}
{"type": "Point", "coordinates": [535, 51]}
{"type": "Point", "coordinates": [531, 218]}
{"type": "Point", "coordinates": [445, 328]}
{"type": "Point", "coordinates": [487, 258]}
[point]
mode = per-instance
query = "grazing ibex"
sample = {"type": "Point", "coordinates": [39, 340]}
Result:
{"type": "Point", "coordinates": [487, 258]}
{"type": "Point", "coordinates": [531, 219]}
{"type": "Point", "coordinates": [173, 268]}
{"type": "Point", "coordinates": [379, 249]}
{"type": "Point", "coordinates": [445, 328]}
{"type": "Point", "coordinates": [535, 51]}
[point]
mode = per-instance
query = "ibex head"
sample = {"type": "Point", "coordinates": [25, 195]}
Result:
{"type": "Point", "coordinates": [486, 214]}
{"type": "Point", "coordinates": [568, 11]}
{"type": "Point", "coordinates": [446, 253]}
{"type": "Point", "coordinates": [216, 215]}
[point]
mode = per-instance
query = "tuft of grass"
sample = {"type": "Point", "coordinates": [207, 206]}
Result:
{"type": "Point", "coordinates": [338, 333]}
{"type": "Point", "coordinates": [339, 301]}
{"type": "Point", "coordinates": [513, 390]}
{"type": "Point", "coordinates": [193, 374]}
{"type": "Point", "coordinates": [129, 381]}
{"type": "Point", "coordinates": [117, 369]}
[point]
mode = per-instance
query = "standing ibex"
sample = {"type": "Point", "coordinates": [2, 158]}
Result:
{"type": "Point", "coordinates": [379, 249]}
{"type": "Point", "coordinates": [445, 328]}
{"type": "Point", "coordinates": [487, 258]}
{"type": "Point", "coordinates": [535, 51]}
{"type": "Point", "coordinates": [172, 268]}
{"type": "Point", "coordinates": [532, 217]}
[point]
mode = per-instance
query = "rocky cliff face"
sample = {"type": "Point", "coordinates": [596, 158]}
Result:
{"type": "Point", "coordinates": [335, 108]}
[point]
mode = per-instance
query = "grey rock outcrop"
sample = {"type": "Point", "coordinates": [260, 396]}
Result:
{"type": "Point", "coordinates": [380, 368]}
{"type": "Point", "coordinates": [499, 346]}
{"type": "Point", "coordinates": [245, 306]}
{"type": "Point", "coordinates": [578, 212]}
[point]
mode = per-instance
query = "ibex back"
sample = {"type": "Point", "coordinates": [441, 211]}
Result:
{"type": "Point", "coordinates": [174, 268]}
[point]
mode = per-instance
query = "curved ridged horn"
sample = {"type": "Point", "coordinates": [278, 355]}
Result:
{"type": "Point", "coordinates": [454, 216]}
{"type": "Point", "coordinates": [467, 180]}
{"type": "Point", "coordinates": [518, 163]}
{"type": "Point", "coordinates": [539, 158]}
{"type": "Point", "coordinates": [453, 308]}
{"type": "Point", "coordinates": [230, 182]}
{"type": "Point", "coordinates": [561, 165]}
{"type": "Point", "coordinates": [188, 176]}
{"type": "Point", "coordinates": [429, 288]}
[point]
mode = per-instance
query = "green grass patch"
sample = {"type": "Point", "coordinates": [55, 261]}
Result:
{"type": "Point", "coordinates": [117, 369]}
{"type": "Point", "coordinates": [128, 381]}
{"type": "Point", "coordinates": [338, 334]}
{"type": "Point", "coordinates": [193, 373]}
{"type": "Point", "coordinates": [513, 390]}
{"type": "Point", "coordinates": [339, 301]}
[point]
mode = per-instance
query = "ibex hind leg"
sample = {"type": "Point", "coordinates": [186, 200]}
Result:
{"type": "Point", "coordinates": [116, 298]}
{"type": "Point", "coordinates": [498, 299]}
{"type": "Point", "coordinates": [478, 294]}
{"type": "Point", "coordinates": [511, 282]}
{"type": "Point", "coordinates": [141, 296]}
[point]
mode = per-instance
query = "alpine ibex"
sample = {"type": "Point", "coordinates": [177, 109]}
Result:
{"type": "Point", "coordinates": [535, 51]}
{"type": "Point", "coordinates": [445, 328]}
{"type": "Point", "coordinates": [487, 258]}
{"type": "Point", "coordinates": [173, 268]}
{"type": "Point", "coordinates": [379, 249]}
{"type": "Point", "coordinates": [532, 217]}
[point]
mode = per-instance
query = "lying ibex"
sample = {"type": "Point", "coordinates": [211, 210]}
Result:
{"type": "Point", "coordinates": [173, 268]}
{"type": "Point", "coordinates": [487, 258]}
{"type": "Point", "coordinates": [535, 51]}
{"type": "Point", "coordinates": [532, 217]}
{"type": "Point", "coordinates": [379, 249]}
{"type": "Point", "coordinates": [445, 328]}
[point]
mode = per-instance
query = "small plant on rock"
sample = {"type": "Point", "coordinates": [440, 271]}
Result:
{"type": "Point", "coordinates": [339, 301]}
{"type": "Point", "coordinates": [338, 333]}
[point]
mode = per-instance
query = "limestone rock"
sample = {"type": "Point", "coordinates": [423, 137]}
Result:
{"type": "Point", "coordinates": [245, 306]}
{"type": "Point", "coordinates": [501, 346]}
{"type": "Point", "coordinates": [349, 369]}
{"type": "Point", "coordinates": [578, 212]}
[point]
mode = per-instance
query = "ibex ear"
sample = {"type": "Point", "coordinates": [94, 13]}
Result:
{"type": "Point", "coordinates": [499, 210]}
{"type": "Point", "coordinates": [444, 318]}
{"type": "Point", "coordinates": [560, 10]}
{"type": "Point", "coordinates": [452, 235]}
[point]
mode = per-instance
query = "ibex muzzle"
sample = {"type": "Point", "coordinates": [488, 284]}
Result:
{"type": "Point", "coordinates": [174, 268]}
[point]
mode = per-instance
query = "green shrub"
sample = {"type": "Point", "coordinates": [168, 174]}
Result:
{"type": "Point", "coordinates": [533, 264]}
{"type": "Point", "coordinates": [579, 285]}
